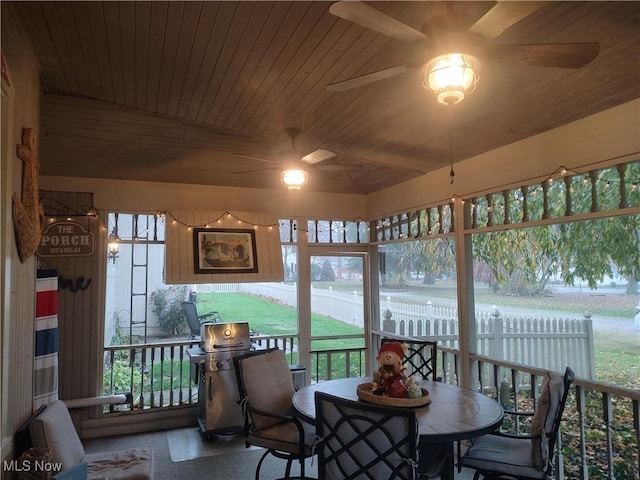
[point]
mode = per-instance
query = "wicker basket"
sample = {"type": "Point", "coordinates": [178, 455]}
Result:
{"type": "Point", "coordinates": [35, 464]}
{"type": "Point", "coordinates": [364, 394]}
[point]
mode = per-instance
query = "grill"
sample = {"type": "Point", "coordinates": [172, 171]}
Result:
{"type": "Point", "coordinates": [212, 369]}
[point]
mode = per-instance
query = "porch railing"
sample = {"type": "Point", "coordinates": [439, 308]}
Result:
{"type": "Point", "coordinates": [156, 375]}
{"type": "Point", "coordinates": [600, 434]}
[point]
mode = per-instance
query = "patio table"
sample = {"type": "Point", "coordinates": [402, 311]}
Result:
{"type": "Point", "coordinates": [454, 414]}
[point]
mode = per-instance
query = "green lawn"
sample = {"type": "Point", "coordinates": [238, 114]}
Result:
{"type": "Point", "coordinates": [269, 317]}
{"type": "Point", "coordinates": [617, 358]}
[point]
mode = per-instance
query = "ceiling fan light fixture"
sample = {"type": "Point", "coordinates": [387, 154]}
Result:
{"type": "Point", "coordinates": [294, 178]}
{"type": "Point", "coordinates": [451, 76]}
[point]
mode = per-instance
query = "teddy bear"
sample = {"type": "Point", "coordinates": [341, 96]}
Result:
{"type": "Point", "coordinates": [390, 378]}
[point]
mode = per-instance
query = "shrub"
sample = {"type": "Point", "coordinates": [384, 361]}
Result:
{"type": "Point", "coordinates": [125, 379]}
{"type": "Point", "coordinates": [166, 305]}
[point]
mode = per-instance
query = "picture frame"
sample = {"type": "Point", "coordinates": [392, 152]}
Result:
{"type": "Point", "coordinates": [224, 250]}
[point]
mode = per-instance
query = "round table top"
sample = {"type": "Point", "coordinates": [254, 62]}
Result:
{"type": "Point", "coordinates": [454, 413]}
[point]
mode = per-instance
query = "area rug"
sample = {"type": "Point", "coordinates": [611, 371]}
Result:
{"type": "Point", "coordinates": [187, 444]}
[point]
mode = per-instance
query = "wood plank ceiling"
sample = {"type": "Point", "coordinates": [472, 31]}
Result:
{"type": "Point", "coordinates": [168, 91]}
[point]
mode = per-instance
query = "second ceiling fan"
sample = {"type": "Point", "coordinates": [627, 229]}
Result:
{"type": "Point", "coordinates": [458, 45]}
{"type": "Point", "coordinates": [294, 166]}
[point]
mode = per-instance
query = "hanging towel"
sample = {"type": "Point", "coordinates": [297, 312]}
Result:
{"type": "Point", "coordinates": [45, 387]}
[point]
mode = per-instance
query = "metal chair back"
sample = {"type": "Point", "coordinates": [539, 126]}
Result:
{"type": "Point", "coordinates": [364, 441]}
{"type": "Point", "coordinates": [421, 358]}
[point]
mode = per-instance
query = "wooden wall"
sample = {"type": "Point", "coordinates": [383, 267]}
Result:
{"type": "Point", "coordinates": [179, 261]}
{"type": "Point", "coordinates": [81, 289]}
{"type": "Point", "coordinates": [605, 138]}
{"type": "Point", "coordinates": [21, 99]}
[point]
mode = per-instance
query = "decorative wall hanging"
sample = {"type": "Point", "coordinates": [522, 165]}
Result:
{"type": "Point", "coordinates": [66, 239]}
{"type": "Point", "coordinates": [222, 250]}
{"type": "Point", "coordinates": [28, 212]}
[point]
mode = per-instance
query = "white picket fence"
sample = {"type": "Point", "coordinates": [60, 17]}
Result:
{"type": "Point", "coordinates": [549, 343]}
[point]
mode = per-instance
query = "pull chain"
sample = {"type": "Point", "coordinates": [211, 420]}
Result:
{"type": "Point", "coordinates": [452, 174]}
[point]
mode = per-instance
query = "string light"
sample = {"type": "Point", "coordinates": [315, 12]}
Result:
{"type": "Point", "coordinates": [228, 216]}
{"type": "Point", "coordinates": [381, 223]}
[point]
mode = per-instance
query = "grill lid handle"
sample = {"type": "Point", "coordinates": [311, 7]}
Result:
{"type": "Point", "coordinates": [217, 345]}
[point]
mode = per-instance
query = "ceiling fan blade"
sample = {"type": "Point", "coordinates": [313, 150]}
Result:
{"type": "Point", "coordinates": [253, 171]}
{"type": "Point", "coordinates": [333, 167]}
{"type": "Point", "coordinates": [561, 55]}
{"type": "Point", "coordinates": [366, 16]}
{"type": "Point", "coordinates": [318, 156]}
{"type": "Point", "coordinates": [368, 78]}
{"type": "Point", "coordinates": [502, 16]}
{"type": "Point", "coordinates": [252, 157]}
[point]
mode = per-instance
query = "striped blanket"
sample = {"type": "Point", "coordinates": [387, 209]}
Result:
{"type": "Point", "coordinates": [45, 388]}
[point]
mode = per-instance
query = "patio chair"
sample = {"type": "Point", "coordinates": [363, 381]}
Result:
{"type": "Point", "coordinates": [53, 429]}
{"type": "Point", "coordinates": [195, 321]}
{"type": "Point", "coordinates": [361, 440]}
{"type": "Point", "coordinates": [421, 358]}
{"type": "Point", "coordinates": [266, 389]}
{"type": "Point", "coordinates": [524, 457]}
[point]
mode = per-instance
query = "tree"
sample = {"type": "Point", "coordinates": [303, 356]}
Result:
{"type": "Point", "coordinates": [521, 261]}
{"type": "Point", "coordinates": [327, 274]}
{"type": "Point", "coordinates": [590, 248]}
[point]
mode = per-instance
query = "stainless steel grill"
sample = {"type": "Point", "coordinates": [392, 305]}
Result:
{"type": "Point", "coordinates": [213, 371]}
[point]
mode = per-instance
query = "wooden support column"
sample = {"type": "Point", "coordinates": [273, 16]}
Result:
{"type": "Point", "coordinates": [466, 301]}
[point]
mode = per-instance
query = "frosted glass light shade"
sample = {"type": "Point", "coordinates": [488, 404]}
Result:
{"type": "Point", "coordinates": [451, 76]}
{"type": "Point", "coordinates": [294, 179]}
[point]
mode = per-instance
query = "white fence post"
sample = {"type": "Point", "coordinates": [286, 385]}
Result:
{"type": "Point", "coordinates": [356, 310]}
{"type": "Point", "coordinates": [589, 354]}
{"type": "Point", "coordinates": [497, 349]}
{"type": "Point", "coordinates": [388, 325]}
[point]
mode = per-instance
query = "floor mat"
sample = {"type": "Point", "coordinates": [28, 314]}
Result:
{"type": "Point", "coordinates": [187, 444]}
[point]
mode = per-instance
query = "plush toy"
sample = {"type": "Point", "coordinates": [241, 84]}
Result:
{"type": "Point", "coordinates": [390, 378]}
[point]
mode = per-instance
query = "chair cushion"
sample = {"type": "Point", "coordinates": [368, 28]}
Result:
{"type": "Point", "coordinates": [268, 385]}
{"type": "Point", "coordinates": [542, 421]}
{"type": "Point", "coordinates": [509, 456]}
{"type": "Point", "coordinates": [134, 464]}
{"type": "Point", "coordinates": [54, 429]}
{"type": "Point", "coordinates": [284, 437]}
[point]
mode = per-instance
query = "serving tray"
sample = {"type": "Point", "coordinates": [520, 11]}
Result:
{"type": "Point", "coordinates": [365, 394]}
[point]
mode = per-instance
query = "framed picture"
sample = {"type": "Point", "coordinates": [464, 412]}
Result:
{"type": "Point", "coordinates": [224, 250]}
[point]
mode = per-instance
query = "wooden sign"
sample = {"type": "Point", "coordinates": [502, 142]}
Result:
{"type": "Point", "coordinates": [66, 239]}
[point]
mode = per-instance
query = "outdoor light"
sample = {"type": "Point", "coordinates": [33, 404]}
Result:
{"type": "Point", "coordinates": [294, 178]}
{"type": "Point", "coordinates": [451, 76]}
{"type": "Point", "coordinates": [113, 247]}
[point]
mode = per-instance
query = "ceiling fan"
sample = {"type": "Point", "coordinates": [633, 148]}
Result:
{"type": "Point", "coordinates": [294, 166]}
{"type": "Point", "coordinates": [456, 46]}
